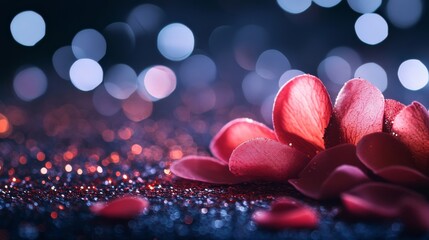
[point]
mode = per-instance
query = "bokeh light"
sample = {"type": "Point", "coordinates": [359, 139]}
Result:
{"type": "Point", "coordinates": [249, 42]}
{"type": "Point", "coordinates": [89, 43]}
{"type": "Point", "coordinates": [5, 126]}
{"type": "Point", "coordinates": [197, 70]}
{"type": "Point", "coordinates": [364, 6]}
{"type": "Point", "coordinates": [176, 42]}
{"type": "Point", "coordinates": [62, 60]}
{"type": "Point", "coordinates": [371, 28]}
{"type": "Point", "coordinates": [294, 6]}
{"type": "Point", "coordinates": [413, 74]}
{"type": "Point", "coordinates": [105, 104]}
{"type": "Point", "coordinates": [28, 28]}
{"type": "Point", "coordinates": [257, 88]}
{"type": "Point", "coordinates": [136, 108]}
{"type": "Point", "coordinates": [30, 83]}
{"type": "Point", "coordinates": [289, 74]}
{"type": "Point", "coordinates": [327, 3]}
{"type": "Point", "coordinates": [404, 14]}
{"type": "Point", "coordinates": [145, 18]}
{"type": "Point", "coordinates": [120, 81]}
{"type": "Point", "coordinates": [267, 109]}
{"type": "Point", "coordinates": [373, 73]}
{"type": "Point", "coordinates": [120, 39]}
{"type": "Point", "coordinates": [157, 81]}
{"type": "Point", "coordinates": [348, 54]}
{"type": "Point", "coordinates": [271, 64]}
{"type": "Point", "coordinates": [199, 100]}
{"type": "Point", "coordinates": [86, 74]}
{"type": "Point", "coordinates": [335, 69]}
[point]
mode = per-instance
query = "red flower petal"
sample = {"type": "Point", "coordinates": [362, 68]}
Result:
{"type": "Point", "coordinates": [377, 200]}
{"type": "Point", "coordinates": [358, 111]}
{"type": "Point", "coordinates": [287, 213]}
{"type": "Point", "coordinates": [404, 176]}
{"type": "Point", "coordinates": [301, 113]}
{"type": "Point", "coordinates": [380, 150]}
{"type": "Point", "coordinates": [236, 132]}
{"type": "Point", "coordinates": [125, 207]}
{"type": "Point", "coordinates": [415, 214]}
{"type": "Point", "coordinates": [391, 109]}
{"type": "Point", "coordinates": [312, 178]}
{"type": "Point", "coordinates": [266, 159]}
{"type": "Point", "coordinates": [411, 125]}
{"type": "Point", "coordinates": [204, 169]}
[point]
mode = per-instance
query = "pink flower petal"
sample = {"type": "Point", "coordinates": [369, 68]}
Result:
{"type": "Point", "coordinates": [380, 150]}
{"type": "Point", "coordinates": [404, 176]}
{"type": "Point", "coordinates": [266, 159]}
{"type": "Point", "coordinates": [287, 213]}
{"type": "Point", "coordinates": [236, 132]}
{"type": "Point", "coordinates": [125, 207]}
{"type": "Point", "coordinates": [391, 109]}
{"type": "Point", "coordinates": [377, 200]}
{"type": "Point", "coordinates": [358, 111]}
{"type": "Point", "coordinates": [312, 178]}
{"type": "Point", "coordinates": [301, 113]}
{"type": "Point", "coordinates": [204, 169]}
{"type": "Point", "coordinates": [415, 214]}
{"type": "Point", "coordinates": [411, 125]}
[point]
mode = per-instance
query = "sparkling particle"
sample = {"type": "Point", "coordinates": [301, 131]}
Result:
{"type": "Point", "coordinates": [371, 28]}
{"type": "Point", "coordinates": [28, 28]}
{"type": "Point", "coordinates": [413, 74]}
{"type": "Point", "coordinates": [176, 41]}
{"type": "Point", "coordinates": [43, 170]}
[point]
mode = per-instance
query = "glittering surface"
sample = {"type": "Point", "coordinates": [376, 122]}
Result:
{"type": "Point", "coordinates": [58, 161]}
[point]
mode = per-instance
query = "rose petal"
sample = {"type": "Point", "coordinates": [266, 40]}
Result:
{"type": "Point", "coordinates": [380, 150]}
{"type": "Point", "coordinates": [236, 132]}
{"type": "Point", "coordinates": [411, 125]}
{"type": "Point", "coordinates": [267, 160]}
{"type": "Point", "coordinates": [415, 214]}
{"type": "Point", "coordinates": [391, 109]}
{"type": "Point", "coordinates": [314, 175]}
{"type": "Point", "coordinates": [377, 200]}
{"type": "Point", "coordinates": [204, 169]}
{"type": "Point", "coordinates": [404, 176]}
{"type": "Point", "coordinates": [301, 113]}
{"type": "Point", "coordinates": [125, 207]}
{"type": "Point", "coordinates": [358, 111]}
{"type": "Point", "coordinates": [287, 213]}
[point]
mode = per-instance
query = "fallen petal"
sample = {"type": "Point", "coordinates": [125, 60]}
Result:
{"type": "Point", "coordinates": [411, 125]}
{"type": "Point", "coordinates": [358, 111]}
{"type": "Point", "coordinates": [204, 169]}
{"type": "Point", "coordinates": [320, 168]}
{"type": "Point", "coordinates": [125, 207]}
{"type": "Point", "coordinates": [380, 150]}
{"type": "Point", "coordinates": [287, 213]}
{"type": "Point", "coordinates": [404, 176]}
{"type": "Point", "coordinates": [391, 109]}
{"type": "Point", "coordinates": [377, 200]}
{"type": "Point", "coordinates": [266, 159]}
{"type": "Point", "coordinates": [236, 132]}
{"type": "Point", "coordinates": [301, 113]}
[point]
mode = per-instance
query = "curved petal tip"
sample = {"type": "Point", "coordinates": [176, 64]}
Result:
{"type": "Point", "coordinates": [125, 207]}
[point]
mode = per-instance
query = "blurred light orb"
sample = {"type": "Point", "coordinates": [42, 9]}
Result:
{"type": "Point", "coordinates": [89, 43]}
{"type": "Point", "coordinates": [267, 109]}
{"type": "Point", "coordinates": [86, 74]}
{"type": "Point", "coordinates": [294, 6]}
{"type": "Point", "coordinates": [413, 74]}
{"type": "Point", "coordinates": [197, 70]}
{"type": "Point", "coordinates": [404, 14]}
{"type": "Point", "coordinates": [256, 88]}
{"type": "Point", "coordinates": [137, 108]}
{"type": "Point", "coordinates": [364, 6]}
{"type": "Point", "coordinates": [62, 60]}
{"type": "Point", "coordinates": [348, 54]}
{"type": "Point", "coordinates": [28, 28]}
{"type": "Point", "coordinates": [145, 18]}
{"type": "Point", "coordinates": [105, 104]}
{"type": "Point", "coordinates": [271, 64]}
{"type": "Point", "coordinates": [5, 126]}
{"type": "Point", "coordinates": [176, 42]}
{"type": "Point", "coordinates": [371, 28]}
{"type": "Point", "coordinates": [158, 81]}
{"type": "Point", "coordinates": [327, 3]}
{"type": "Point", "coordinates": [373, 73]}
{"type": "Point", "coordinates": [335, 69]}
{"type": "Point", "coordinates": [120, 81]}
{"type": "Point", "coordinates": [120, 39]}
{"type": "Point", "coordinates": [288, 75]}
{"type": "Point", "coordinates": [249, 43]}
{"type": "Point", "coordinates": [199, 100]}
{"type": "Point", "coordinates": [30, 83]}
